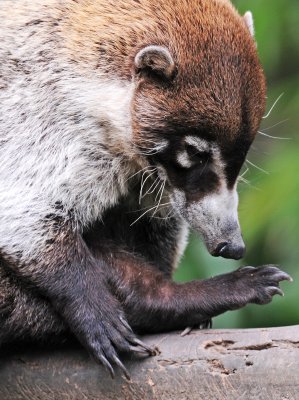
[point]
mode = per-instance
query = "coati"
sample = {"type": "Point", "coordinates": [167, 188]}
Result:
{"type": "Point", "coordinates": [122, 124]}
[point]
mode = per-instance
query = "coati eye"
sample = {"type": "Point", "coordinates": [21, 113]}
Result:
{"type": "Point", "coordinates": [198, 156]}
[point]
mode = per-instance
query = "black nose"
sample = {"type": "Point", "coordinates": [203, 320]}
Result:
{"type": "Point", "coordinates": [230, 250]}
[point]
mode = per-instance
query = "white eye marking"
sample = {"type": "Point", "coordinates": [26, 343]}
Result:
{"type": "Point", "coordinates": [184, 160]}
{"type": "Point", "coordinates": [198, 143]}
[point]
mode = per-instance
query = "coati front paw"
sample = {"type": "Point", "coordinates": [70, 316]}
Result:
{"type": "Point", "coordinates": [257, 285]}
{"type": "Point", "coordinates": [111, 336]}
{"type": "Point", "coordinates": [105, 332]}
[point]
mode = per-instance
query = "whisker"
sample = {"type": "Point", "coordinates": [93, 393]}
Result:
{"type": "Point", "coordinates": [156, 147]}
{"type": "Point", "coordinates": [162, 192]}
{"type": "Point", "coordinates": [148, 140]}
{"type": "Point", "coordinates": [150, 152]}
{"type": "Point", "coordinates": [274, 137]}
{"type": "Point", "coordinates": [273, 126]}
{"type": "Point", "coordinates": [244, 173]}
{"type": "Point", "coordinates": [138, 172]}
{"type": "Point", "coordinates": [255, 166]}
{"type": "Point", "coordinates": [168, 216]}
{"type": "Point", "coordinates": [243, 180]}
{"type": "Point", "coordinates": [161, 188]}
{"type": "Point", "coordinates": [143, 181]}
{"type": "Point", "coordinates": [272, 108]}
{"type": "Point", "coordinates": [150, 209]}
{"type": "Point", "coordinates": [153, 187]}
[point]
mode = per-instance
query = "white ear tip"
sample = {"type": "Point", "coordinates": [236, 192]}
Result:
{"type": "Point", "coordinates": [157, 58]}
{"type": "Point", "coordinates": [153, 49]}
{"type": "Point", "coordinates": [248, 18]}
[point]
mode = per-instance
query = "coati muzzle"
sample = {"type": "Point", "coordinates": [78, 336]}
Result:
{"type": "Point", "coordinates": [215, 218]}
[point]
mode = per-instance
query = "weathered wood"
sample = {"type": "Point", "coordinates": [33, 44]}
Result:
{"type": "Point", "coordinates": [214, 364]}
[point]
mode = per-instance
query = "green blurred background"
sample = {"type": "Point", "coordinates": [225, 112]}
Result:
{"type": "Point", "coordinates": [269, 202]}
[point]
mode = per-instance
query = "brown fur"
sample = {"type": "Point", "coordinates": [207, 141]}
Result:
{"type": "Point", "coordinates": [205, 38]}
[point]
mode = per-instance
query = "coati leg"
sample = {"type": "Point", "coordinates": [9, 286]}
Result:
{"type": "Point", "coordinates": [74, 282]}
{"type": "Point", "coordinates": [24, 314]}
{"type": "Point", "coordinates": [154, 303]}
{"type": "Point", "coordinates": [151, 301]}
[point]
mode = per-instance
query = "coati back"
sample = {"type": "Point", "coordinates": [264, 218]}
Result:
{"type": "Point", "coordinates": [121, 125]}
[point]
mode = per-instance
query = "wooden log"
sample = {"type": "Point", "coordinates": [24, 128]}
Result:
{"type": "Point", "coordinates": [209, 364]}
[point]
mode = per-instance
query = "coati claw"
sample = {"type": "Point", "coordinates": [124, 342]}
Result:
{"type": "Point", "coordinates": [122, 367]}
{"type": "Point", "coordinates": [125, 323]}
{"type": "Point", "coordinates": [139, 350]}
{"type": "Point", "coordinates": [204, 325]}
{"type": "Point", "coordinates": [274, 270]}
{"type": "Point", "coordinates": [186, 331]}
{"type": "Point", "coordinates": [275, 290]}
{"type": "Point", "coordinates": [151, 351]}
{"type": "Point", "coordinates": [107, 365]}
{"type": "Point", "coordinates": [247, 268]}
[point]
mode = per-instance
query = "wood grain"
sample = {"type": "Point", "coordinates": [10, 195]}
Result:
{"type": "Point", "coordinates": [209, 364]}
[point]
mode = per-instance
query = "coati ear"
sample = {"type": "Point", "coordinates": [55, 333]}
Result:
{"type": "Point", "coordinates": [155, 61]}
{"type": "Point", "coordinates": [248, 18]}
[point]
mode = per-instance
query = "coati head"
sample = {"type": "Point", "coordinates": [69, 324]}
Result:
{"type": "Point", "coordinates": [182, 87]}
{"type": "Point", "coordinates": [198, 102]}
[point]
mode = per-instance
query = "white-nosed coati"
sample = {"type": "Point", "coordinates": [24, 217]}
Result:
{"type": "Point", "coordinates": [121, 124]}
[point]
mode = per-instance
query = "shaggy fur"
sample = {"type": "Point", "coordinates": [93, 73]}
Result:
{"type": "Point", "coordinates": [121, 124]}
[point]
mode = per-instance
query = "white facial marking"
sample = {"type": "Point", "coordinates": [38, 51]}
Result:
{"type": "Point", "coordinates": [198, 143]}
{"type": "Point", "coordinates": [215, 215]}
{"type": "Point", "coordinates": [184, 160]}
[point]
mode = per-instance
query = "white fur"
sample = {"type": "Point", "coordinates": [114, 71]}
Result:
{"type": "Point", "coordinates": [214, 217]}
{"type": "Point", "coordinates": [248, 18]}
{"type": "Point", "coordinates": [200, 144]}
{"type": "Point", "coordinates": [60, 135]}
{"type": "Point", "coordinates": [184, 160]}
{"type": "Point", "coordinates": [181, 243]}
{"type": "Point", "coordinates": [147, 52]}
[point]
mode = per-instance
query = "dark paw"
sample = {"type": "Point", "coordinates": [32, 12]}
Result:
{"type": "Point", "coordinates": [259, 285]}
{"type": "Point", "coordinates": [108, 338]}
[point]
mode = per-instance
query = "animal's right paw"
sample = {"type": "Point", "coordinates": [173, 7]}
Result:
{"type": "Point", "coordinates": [111, 335]}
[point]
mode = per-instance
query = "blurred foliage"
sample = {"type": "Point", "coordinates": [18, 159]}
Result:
{"type": "Point", "coordinates": [269, 204]}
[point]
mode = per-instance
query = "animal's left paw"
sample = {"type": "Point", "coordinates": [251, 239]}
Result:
{"type": "Point", "coordinates": [263, 282]}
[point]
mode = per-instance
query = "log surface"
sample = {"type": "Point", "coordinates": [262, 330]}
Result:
{"type": "Point", "coordinates": [211, 364]}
